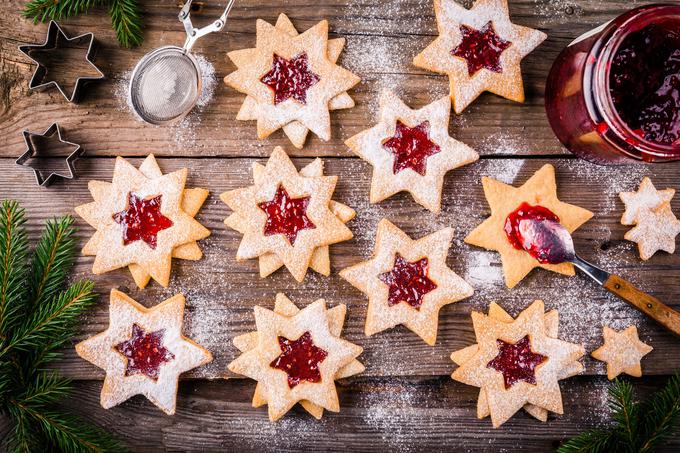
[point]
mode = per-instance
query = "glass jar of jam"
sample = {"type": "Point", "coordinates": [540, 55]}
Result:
{"type": "Point", "coordinates": [614, 93]}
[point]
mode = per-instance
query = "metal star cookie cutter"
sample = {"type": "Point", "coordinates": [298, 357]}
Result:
{"type": "Point", "coordinates": [56, 39]}
{"type": "Point", "coordinates": [35, 152]}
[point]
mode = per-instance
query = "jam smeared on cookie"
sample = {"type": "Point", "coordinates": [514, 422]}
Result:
{"type": "Point", "coordinates": [408, 282]}
{"type": "Point", "coordinates": [645, 82]}
{"type": "Point", "coordinates": [142, 220]}
{"type": "Point", "coordinates": [481, 48]}
{"type": "Point", "coordinates": [411, 146]}
{"type": "Point", "coordinates": [286, 215]}
{"type": "Point", "coordinates": [300, 359]}
{"type": "Point", "coordinates": [537, 246]}
{"type": "Point", "coordinates": [516, 361]}
{"type": "Point", "coordinates": [145, 352]}
{"type": "Point", "coordinates": [290, 78]}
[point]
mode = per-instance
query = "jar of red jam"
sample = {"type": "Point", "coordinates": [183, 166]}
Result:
{"type": "Point", "coordinates": [614, 93]}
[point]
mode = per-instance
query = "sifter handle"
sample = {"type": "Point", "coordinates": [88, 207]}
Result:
{"type": "Point", "coordinates": [194, 33]}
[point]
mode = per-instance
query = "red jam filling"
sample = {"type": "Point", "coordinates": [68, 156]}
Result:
{"type": "Point", "coordinates": [290, 78]}
{"type": "Point", "coordinates": [644, 82]}
{"type": "Point", "coordinates": [539, 249]}
{"type": "Point", "coordinates": [145, 352]}
{"type": "Point", "coordinates": [408, 282]}
{"type": "Point", "coordinates": [300, 359]}
{"type": "Point", "coordinates": [411, 146]}
{"type": "Point", "coordinates": [481, 48]}
{"type": "Point", "coordinates": [286, 215]}
{"type": "Point", "coordinates": [142, 220]}
{"type": "Point", "coordinates": [516, 361]}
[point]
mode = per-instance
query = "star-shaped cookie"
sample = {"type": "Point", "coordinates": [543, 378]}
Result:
{"type": "Point", "coordinates": [411, 150]}
{"type": "Point", "coordinates": [295, 131]}
{"type": "Point", "coordinates": [539, 190]}
{"type": "Point", "coordinates": [407, 281]}
{"type": "Point", "coordinates": [165, 197]}
{"type": "Point", "coordinates": [293, 230]}
{"type": "Point", "coordinates": [551, 329]}
{"type": "Point", "coordinates": [480, 49]}
{"type": "Point", "coordinates": [622, 351]}
{"type": "Point", "coordinates": [291, 79]}
{"type": "Point", "coordinates": [296, 358]}
{"type": "Point", "coordinates": [143, 351]}
{"type": "Point", "coordinates": [517, 362]}
{"type": "Point", "coordinates": [647, 198]}
{"type": "Point", "coordinates": [285, 307]}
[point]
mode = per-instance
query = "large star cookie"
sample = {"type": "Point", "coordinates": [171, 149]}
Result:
{"type": "Point", "coordinates": [551, 319]}
{"type": "Point", "coordinates": [540, 191]}
{"type": "Point", "coordinates": [295, 131]}
{"type": "Point", "coordinates": [622, 351]}
{"type": "Point", "coordinates": [296, 358]}
{"type": "Point", "coordinates": [656, 224]}
{"type": "Point", "coordinates": [291, 78]}
{"type": "Point", "coordinates": [143, 351]}
{"type": "Point", "coordinates": [407, 282]}
{"type": "Point", "coordinates": [143, 219]}
{"type": "Point", "coordinates": [411, 150]}
{"type": "Point", "coordinates": [287, 215]}
{"type": "Point", "coordinates": [336, 320]}
{"type": "Point", "coordinates": [517, 362]}
{"type": "Point", "coordinates": [480, 49]}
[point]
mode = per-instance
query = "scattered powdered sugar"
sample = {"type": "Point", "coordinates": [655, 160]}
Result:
{"type": "Point", "coordinates": [502, 143]}
{"type": "Point", "coordinates": [556, 11]}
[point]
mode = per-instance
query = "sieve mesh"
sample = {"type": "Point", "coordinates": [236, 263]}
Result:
{"type": "Point", "coordinates": [165, 85]}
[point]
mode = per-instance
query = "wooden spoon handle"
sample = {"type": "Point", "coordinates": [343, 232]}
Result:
{"type": "Point", "coordinates": [647, 304]}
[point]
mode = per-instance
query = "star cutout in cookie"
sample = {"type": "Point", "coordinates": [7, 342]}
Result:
{"type": "Point", "coordinates": [646, 199]}
{"type": "Point", "coordinates": [321, 80]}
{"type": "Point", "coordinates": [273, 383]}
{"type": "Point", "coordinates": [109, 244]}
{"type": "Point", "coordinates": [432, 289]}
{"type": "Point", "coordinates": [480, 49]}
{"type": "Point", "coordinates": [655, 231]}
{"type": "Point", "coordinates": [622, 351]}
{"type": "Point", "coordinates": [411, 150]}
{"type": "Point", "coordinates": [503, 199]}
{"type": "Point", "coordinates": [505, 401]}
{"type": "Point", "coordinates": [132, 328]}
{"type": "Point", "coordinates": [281, 172]}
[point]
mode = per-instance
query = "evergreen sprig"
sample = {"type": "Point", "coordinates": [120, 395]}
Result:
{"type": "Point", "coordinates": [126, 17]}
{"type": "Point", "coordinates": [638, 427]}
{"type": "Point", "coordinates": [38, 315]}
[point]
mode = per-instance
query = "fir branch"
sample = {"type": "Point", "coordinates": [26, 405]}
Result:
{"type": "Point", "coordinates": [593, 441]}
{"type": "Point", "coordinates": [13, 267]}
{"type": "Point", "coordinates": [661, 415]}
{"type": "Point", "coordinates": [126, 19]}
{"type": "Point", "coordinates": [625, 412]}
{"type": "Point", "coordinates": [44, 10]}
{"type": "Point", "coordinates": [52, 260]}
{"type": "Point", "coordinates": [47, 388]}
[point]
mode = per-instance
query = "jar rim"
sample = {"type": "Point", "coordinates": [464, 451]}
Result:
{"type": "Point", "coordinates": [620, 29]}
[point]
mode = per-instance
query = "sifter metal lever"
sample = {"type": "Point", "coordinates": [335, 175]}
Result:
{"type": "Point", "coordinates": [193, 34]}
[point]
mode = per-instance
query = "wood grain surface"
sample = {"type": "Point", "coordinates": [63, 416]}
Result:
{"type": "Point", "coordinates": [405, 400]}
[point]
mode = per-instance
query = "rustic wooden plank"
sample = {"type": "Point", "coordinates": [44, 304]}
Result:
{"type": "Point", "coordinates": [221, 293]}
{"type": "Point", "coordinates": [383, 36]}
{"type": "Point", "coordinates": [376, 415]}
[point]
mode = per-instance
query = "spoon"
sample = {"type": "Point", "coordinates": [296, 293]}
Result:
{"type": "Point", "coordinates": [557, 246]}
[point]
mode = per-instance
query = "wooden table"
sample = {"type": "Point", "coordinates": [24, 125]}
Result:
{"type": "Point", "coordinates": [405, 401]}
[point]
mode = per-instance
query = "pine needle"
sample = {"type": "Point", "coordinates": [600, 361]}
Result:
{"type": "Point", "coordinates": [661, 415]}
{"type": "Point", "coordinates": [13, 268]}
{"type": "Point", "coordinates": [625, 412]}
{"type": "Point", "coordinates": [594, 441]}
{"type": "Point", "coordinates": [127, 22]}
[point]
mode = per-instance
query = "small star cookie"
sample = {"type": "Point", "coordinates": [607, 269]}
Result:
{"type": "Point", "coordinates": [480, 49]}
{"type": "Point", "coordinates": [411, 150]}
{"type": "Point", "coordinates": [296, 358]}
{"type": "Point", "coordinates": [285, 307]}
{"type": "Point", "coordinates": [143, 219]}
{"type": "Point", "coordinates": [539, 190]}
{"type": "Point", "coordinates": [292, 78]}
{"type": "Point", "coordinates": [143, 351]}
{"type": "Point", "coordinates": [622, 351]}
{"type": "Point", "coordinates": [287, 215]}
{"type": "Point", "coordinates": [517, 362]}
{"type": "Point", "coordinates": [295, 131]}
{"type": "Point", "coordinates": [656, 225]}
{"type": "Point", "coordinates": [407, 281]}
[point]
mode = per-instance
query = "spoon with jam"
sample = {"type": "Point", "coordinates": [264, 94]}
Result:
{"type": "Point", "coordinates": [547, 240]}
